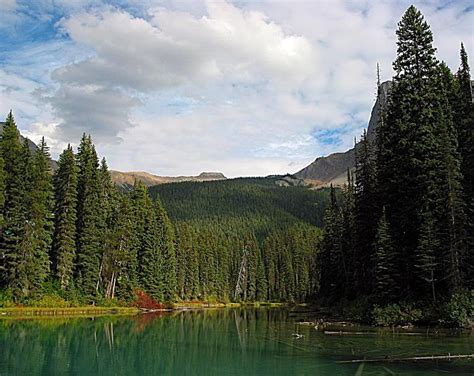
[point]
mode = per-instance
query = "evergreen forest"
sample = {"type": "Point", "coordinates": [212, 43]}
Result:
{"type": "Point", "coordinates": [402, 234]}
{"type": "Point", "coordinates": [398, 236]}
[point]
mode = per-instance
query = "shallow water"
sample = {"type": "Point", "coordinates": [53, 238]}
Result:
{"type": "Point", "coordinates": [213, 342]}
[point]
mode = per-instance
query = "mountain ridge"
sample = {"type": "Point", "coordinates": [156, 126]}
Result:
{"type": "Point", "coordinates": [332, 169]}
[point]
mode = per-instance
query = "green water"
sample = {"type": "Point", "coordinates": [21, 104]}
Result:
{"type": "Point", "coordinates": [218, 342]}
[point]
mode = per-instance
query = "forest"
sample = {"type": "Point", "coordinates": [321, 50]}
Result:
{"type": "Point", "coordinates": [397, 237]}
{"type": "Point", "coordinates": [73, 235]}
{"type": "Point", "coordinates": [401, 236]}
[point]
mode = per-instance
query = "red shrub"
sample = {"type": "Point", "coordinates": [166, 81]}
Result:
{"type": "Point", "coordinates": [143, 300]}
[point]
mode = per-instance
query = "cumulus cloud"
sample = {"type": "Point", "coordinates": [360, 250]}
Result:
{"type": "Point", "coordinates": [254, 88]}
{"type": "Point", "coordinates": [134, 57]}
{"type": "Point", "coordinates": [7, 5]}
{"type": "Point", "coordinates": [174, 48]}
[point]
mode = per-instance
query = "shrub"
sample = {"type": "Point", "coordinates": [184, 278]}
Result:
{"type": "Point", "coordinates": [459, 310]}
{"type": "Point", "coordinates": [143, 300]}
{"type": "Point", "coordinates": [103, 302]}
{"type": "Point", "coordinates": [357, 310]}
{"type": "Point", "coordinates": [394, 314]}
{"type": "Point", "coordinates": [50, 301]}
{"type": "Point", "coordinates": [6, 299]}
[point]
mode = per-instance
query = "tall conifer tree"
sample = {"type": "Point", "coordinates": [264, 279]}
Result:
{"type": "Point", "coordinates": [64, 239]}
{"type": "Point", "coordinates": [409, 147]}
{"type": "Point", "coordinates": [13, 210]}
{"type": "Point", "coordinates": [88, 242]}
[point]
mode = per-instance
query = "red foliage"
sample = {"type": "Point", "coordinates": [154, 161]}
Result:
{"type": "Point", "coordinates": [143, 300]}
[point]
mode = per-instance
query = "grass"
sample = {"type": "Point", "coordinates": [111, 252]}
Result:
{"type": "Point", "coordinates": [66, 311]}
{"type": "Point", "coordinates": [203, 304]}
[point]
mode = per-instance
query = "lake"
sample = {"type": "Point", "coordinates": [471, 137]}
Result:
{"type": "Point", "coordinates": [213, 342]}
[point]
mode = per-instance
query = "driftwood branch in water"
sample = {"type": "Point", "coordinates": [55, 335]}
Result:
{"type": "Point", "coordinates": [432, 357]}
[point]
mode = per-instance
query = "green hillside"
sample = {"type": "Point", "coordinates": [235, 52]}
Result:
{"type": "Point", "coordinates": [244, 203]}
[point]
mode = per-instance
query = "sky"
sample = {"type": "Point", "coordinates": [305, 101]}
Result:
{"type": "Point", "coordinates": [246, 88]}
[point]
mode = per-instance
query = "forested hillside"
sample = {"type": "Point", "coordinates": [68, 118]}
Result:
{"type": "Point", "coordinates": [256, 203]}
{"type": "Point", "coordinates": [250, 222]}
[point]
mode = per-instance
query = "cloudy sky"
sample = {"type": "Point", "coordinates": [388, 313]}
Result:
{"type": "Point", "coordinates": [180, 87]}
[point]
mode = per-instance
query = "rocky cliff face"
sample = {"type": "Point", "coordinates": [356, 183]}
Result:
{"type": "Point", "coordinates": [333, 168]}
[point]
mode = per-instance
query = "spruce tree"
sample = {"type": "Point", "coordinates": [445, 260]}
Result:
{"type": "Point", "coordinates": [151, 262]}
{"type": "Point", "coordinates": [425, 259]}
{"type": "Point", "coordinates": [409, 149]}
{"type": "Point", "coordinates": [463, 105]}
{"type": "Point", "coordinates": [385, 266]}
{"type": "Point", "coordinates": [13, 210]}
{"type": "Point", "coordinates": [64, 239]}
{"type": "Point", "coordinates": [88, 238]}
{"type": "Point", "coordinates": [2, 193]}
{"type": "Point", "coordinates": [333, 283]}
{"type": "Point", "coordinates": [366, 214]}
{"type": "Point", "coordinates": [167, 247]}
{"type": "Point", "coordinates": [119, 258]}
{"type": "Point", "coordinates": [142, 209]}
{"type": "Point", "coordinates": [40, 215]}
{"type": "Point", "coordinates": [447, 200]}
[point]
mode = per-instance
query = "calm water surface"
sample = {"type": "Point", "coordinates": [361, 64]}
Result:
{"type": "Point", "coordinates": [217, 342]}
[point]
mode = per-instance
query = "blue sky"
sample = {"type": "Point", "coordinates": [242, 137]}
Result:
{"type": "Point", "coordinates": [179, 87]}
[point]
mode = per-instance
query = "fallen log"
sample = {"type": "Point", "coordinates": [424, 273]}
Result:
{"type": "Point", "coordinates": [414, 358]}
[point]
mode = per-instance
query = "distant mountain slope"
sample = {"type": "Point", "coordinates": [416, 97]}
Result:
{"type": "Point", "coordinates": [333, 168]}
{"type": "Point", "coordinates": [127, 179]}
{"type": "Point", "coordinates": [259, 204]}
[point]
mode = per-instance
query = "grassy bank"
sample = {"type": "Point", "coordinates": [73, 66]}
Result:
{"type": "Point", "coordinates": [66, 311]}
{"type": "Point", "coordinates": [87, 311]}
{"type": "Point", "coordinates": [199, 305]}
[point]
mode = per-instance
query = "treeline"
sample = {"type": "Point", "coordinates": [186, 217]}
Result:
{"type": "Point", "coordinates": [403, 230]}
{"type": "Point", "coordinates": [211, 259]}
{"type": "Point", "coordinates": [72, 233]}
{"type": "Point", "coordinates": [269, 230]}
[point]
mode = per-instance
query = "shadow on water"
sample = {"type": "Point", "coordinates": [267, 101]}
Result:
{"type": "Point", "coordinates": [212, 342]}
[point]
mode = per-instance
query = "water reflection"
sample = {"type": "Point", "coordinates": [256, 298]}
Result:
{"type": "Point", "coordinates": [214, 342]}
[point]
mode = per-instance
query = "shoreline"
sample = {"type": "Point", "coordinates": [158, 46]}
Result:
{"type": "Point", "coordinates": [88, 311]}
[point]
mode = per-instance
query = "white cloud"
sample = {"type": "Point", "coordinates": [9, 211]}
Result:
{"type": "Point", "coordinates": [244, 89]}
{"type": "Point", "coordinates": [7, 5]}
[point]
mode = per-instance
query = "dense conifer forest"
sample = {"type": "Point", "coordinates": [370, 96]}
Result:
{"type": "Point", "coordinates": [397, 238]}
{"type": "Point", "coordinates": [275, 227]}
{"type": "Point", "coordinates": [402, 233]}
{"type": "Point", "coordinates": [73, 234]}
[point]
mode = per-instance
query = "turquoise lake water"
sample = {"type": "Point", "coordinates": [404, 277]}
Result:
{"type": "Point", "coordinates": [214, 342]}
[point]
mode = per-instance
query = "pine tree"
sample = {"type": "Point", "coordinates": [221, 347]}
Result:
{"type": "Point", "coordinates": [366, 214]}
{"type": "Point", "coordinates": [409, 149]}
{"type": "Point", "coordinates": [448, 204]}
{"type": "Point", "coordinates": [332, 270]}
{"type": "Point", "coordinates": [347, 257]}
{"type": "Point", "coordinates": [2, 193]}
{"type": "Point", "coordinates": [64, 239]}
{"type": "Point", "coordinates": [151, 262]}
{"type": "Point", "coordinates": [13, 211]}
{"type": "Point", "coordinates": [426, 261]}
{"type": "Point", "coordinates": [40, 215]}
{"type": "Point", "coordinates": [385, 271]}
{"type": "Point", "coordinates": [168, 269]}
{"type": "Point", "coordinates": [463, 105]}
{"type": "Point", "coordinates": [88, 242]}
{"type": "Point", "coordinates": [119, 258]}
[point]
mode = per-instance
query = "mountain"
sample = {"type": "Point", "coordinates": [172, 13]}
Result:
{"type": "Point", "coordinates": [332, 169]}
{"type": "Point", "coordinates": [127, 179]}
